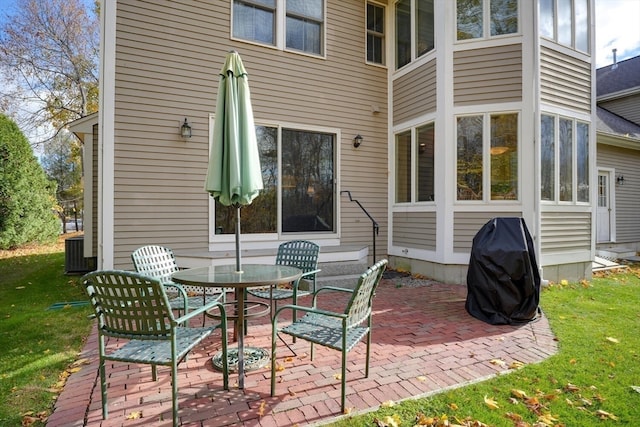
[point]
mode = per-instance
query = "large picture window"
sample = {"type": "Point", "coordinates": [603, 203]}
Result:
{"type": "Point", "coordinates": [477, 19]}
{"type": "Point", "coordinates": [255, 20]}
{"type": "Point", "coordinates": [412, 44]}
{"type": "Point", "coordinates": [414, 165]}
{"type": "Point", "coordinates": [298, 196]}
{"type": "Point", "coordinates": [487, 157]}
{"type": "Point", "coordinates": [565, 154]}
{"type": "Point", "coordinates": [566, 22]}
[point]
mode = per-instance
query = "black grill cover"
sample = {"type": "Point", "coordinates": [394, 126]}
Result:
{"type": "Point", "coordinates": [503, 282]}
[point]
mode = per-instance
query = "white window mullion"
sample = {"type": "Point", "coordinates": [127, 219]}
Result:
{"type": "Point", "coordinates": [281, 31]}
{"type": "Point", "coordinates": [486, 157]}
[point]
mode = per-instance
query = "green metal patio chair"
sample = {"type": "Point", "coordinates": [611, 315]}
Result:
{"type": "Point", "coordinates": [295, 253]}
{"type": "Point", "coordinates": [133, 307]}
{"type": "Point", "coordinates": [339, 331]}
{"type": "Point", "coordinates": [159, 262]}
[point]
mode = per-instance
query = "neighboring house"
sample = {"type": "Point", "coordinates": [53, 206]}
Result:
{"type": "Point", "coordinates": [618, 157]}
{"type": "Point", "coordinates": [467, 110]}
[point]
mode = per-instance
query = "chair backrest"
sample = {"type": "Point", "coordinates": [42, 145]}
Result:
{"type": "Point", "coordinates": [359, 306]}
{"type": "Point", "coordinates": [298, 253]}
{"type": "Point", "coordinates": [129, 305]}
{"type": "Point", "coordinates": [155, 261]}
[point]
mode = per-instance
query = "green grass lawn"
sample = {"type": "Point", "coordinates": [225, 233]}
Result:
{"type": "Point", "coordinates": [591, 381]}
{"type": "Point", "coordinates": [37, 345]}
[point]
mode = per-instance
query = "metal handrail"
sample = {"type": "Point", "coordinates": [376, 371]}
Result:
{"type": "Point", "coordinates": [374, 224]}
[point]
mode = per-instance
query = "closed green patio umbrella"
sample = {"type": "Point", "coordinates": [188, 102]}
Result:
{"type": "Point", "coordinates": [234, 175]}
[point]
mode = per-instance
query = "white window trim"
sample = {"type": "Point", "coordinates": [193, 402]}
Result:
{"type": "Point", "coordinates": [486, 27]}
{"type": "Point", "coordinates": [385, 46]}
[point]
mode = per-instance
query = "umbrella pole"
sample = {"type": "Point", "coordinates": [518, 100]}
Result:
{"type": "Point", "coordinates": [238, 269]}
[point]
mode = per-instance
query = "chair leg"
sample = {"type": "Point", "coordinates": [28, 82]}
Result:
{"type": "Point", "coordinates": [174, 392]}
{"type": "Point", "coordinates": [103, 389]}
{"type": "Point", "coordinates": [274, 333]}
{"type": "Point", "coordinates": [344, 380]}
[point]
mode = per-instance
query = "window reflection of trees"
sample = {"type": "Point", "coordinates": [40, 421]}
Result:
{"type": "Point", "coordinates": [307, 185]}
{"type": "Point", "coordinates": [469, 158]}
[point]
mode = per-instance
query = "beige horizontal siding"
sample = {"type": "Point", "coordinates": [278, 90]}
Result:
{"type": "Point", "coordinates": [414, 94]}
{"type": "Point", "coordinates": [565, 81]}
{"type": "Point", "coordinates": [414, 230]}
{"type": "Point", "coordinates": [625, 162]}
{"type": "Point", "coordinates": [467, 224]}
{"type": "Point", "coordinates": [168, 57]}
{"type": "Point", "coordinates": [488, 75]}
{"type": "Point", "coordinates": [565, 232]}
{"type": "Point", "coordinates": [627, 107]}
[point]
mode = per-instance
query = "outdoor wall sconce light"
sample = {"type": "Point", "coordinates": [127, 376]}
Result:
{"type": "Point", "coordinates": [357, 140]}
{"type": "Point", "coordinates": [185, 129]}
{"type": "Point", "coordinates": [620, 180]}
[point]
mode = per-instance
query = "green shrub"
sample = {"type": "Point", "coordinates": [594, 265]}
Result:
{"type": "Point", "coordinates": [27, 197]}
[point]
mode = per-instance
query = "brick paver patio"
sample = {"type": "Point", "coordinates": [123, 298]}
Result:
{"type": "Point", "coordinates": [423, 342]}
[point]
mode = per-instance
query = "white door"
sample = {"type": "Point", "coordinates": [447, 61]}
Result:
{"type": "Point", "coordinates": [604, 213]}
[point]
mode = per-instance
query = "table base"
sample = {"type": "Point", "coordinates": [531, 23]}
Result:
{"type": "Point", "coordinates": [254, 358]}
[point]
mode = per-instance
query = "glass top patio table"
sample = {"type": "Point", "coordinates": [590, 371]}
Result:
{"type": "Point", "coordinates": [251, 275]}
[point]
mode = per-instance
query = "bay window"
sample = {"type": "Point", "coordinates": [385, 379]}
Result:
{"type": "Point", "coordinates": [566, 22]}
{"type": "Point", "coordinates": [414, 165]}
{"type": "Point", "coordinates": [565, 155]}
{"type": "Point", "coordinates": [414, 30]}
{"type": "Point", "coordinates": [477, 19]}
{"type": "Point", "coordinates": [487, 157]}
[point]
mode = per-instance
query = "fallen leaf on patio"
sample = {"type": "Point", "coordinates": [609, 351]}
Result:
{"type": "Point", "coordinates": [421, 378]}
{"type": "Point", "coordinates": [347, 411]}
{"type": "Point", "coordinates": [387, 404]}
{"type": "Point", "coordinates": [613, 340]}
{"type": "Point", "coordinates": [261, 409]}
{"type": "Point", "coordinates": [516, 365]}
{"type": "Point", "coordinates": [491, 403]}
{"type": "Point", "coordinates": [279, 367]}
{"type": "Point", "coordinates": [134, 415]}
{"type": "Point", "coordinates": [498, 362]}
{"type": "Point", "coordinates": [518, 393]}
{"type": "Point", "coordinates": [288, 359]}
{"type": "Point", "coordinates": [603, 415]}
{"type": "Point", "coordinates": [337, 376]}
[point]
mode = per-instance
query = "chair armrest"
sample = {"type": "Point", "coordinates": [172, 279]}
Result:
{"type": "Point", "coordinates": [181, 291]}
{"type": "Point", "coordinates": [202, 309]}
{"type": "Point", "coordinates": [334, 288]}
{"type": "Point", "coordinates": [308, 310]}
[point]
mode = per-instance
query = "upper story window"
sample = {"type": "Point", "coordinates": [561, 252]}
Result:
{"type": "Point", "coordinates": [375, 34]}
{"type": "Point", "coordinates": [415, 165]}
{"type": "Point", "coordinates": [482, 19]}
{"type": "Point", "coordinates": [566, 22]}
{"type": "Point", "coordinates": [257, 20]}
{"type": "Point", "coordinates": [414, 37]}
{"type": "Point", "coordinates": [487, 157]}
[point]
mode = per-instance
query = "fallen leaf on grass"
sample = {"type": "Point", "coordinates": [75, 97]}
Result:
{"type": "Point", "coordinates": [453, 406]}
{"type": "Point", "coordinates": [603, 415]}
{"type": "Point", "coordinates": [613, 340]}
{"type": "Point", "coordinates": [387, 404]}
{"type": "Point", "coordinates": [516, 365]}
{"type": "Point", "coordinates": [635, 388]}
{"type": "Point", "coordinates": [491, 403]}
{"type": "Point", "coordinates": [518, 393]}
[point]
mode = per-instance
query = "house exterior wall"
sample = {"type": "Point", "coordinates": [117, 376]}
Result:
{"type": "Point", "coordinates": [488, 75]}
{"type": "Point", "coordinates": [467, 224]}
{"type": "Point", "coordinates": [625, 163]}
{"type": "Point", "coordinates": [167, 59]}
{"type": "Point", "coordinates": [565, 80]}
{"type": "Point", "coordinates": [414, 94]}
{"type": "Point", "coordinates": [627, 107]}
